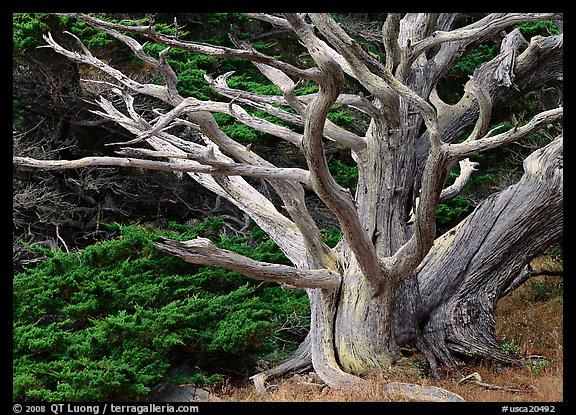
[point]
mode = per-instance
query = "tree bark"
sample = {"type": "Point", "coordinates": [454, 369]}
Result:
{"type": "Point", "coordinates": [469, 268]}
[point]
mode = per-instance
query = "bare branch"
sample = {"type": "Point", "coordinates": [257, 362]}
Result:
{"type": "Point", "coordinates": [477, 31]}
{"type": "Point", "coordinates": [161, 65]}
{"type": "Point", "coordinates": [389, 39]}
{"type": "Point", "coordinates": [202, 251]}
{"type": "Point", "coordinates": [262, 211]}
{"type": "Point", "coordinates": [157, 91]}
{"type": "Point", "coordinates": [503, 74]}
{"type": "Point", "coordinates": [281, 229]}
{"type": "Point", "coordinates": [484, 109]}
{"type": "Point", "coordinates": [212, 50]}
{"type": "Point", "coordinates": [338, 199]}
{"type": "Point", "coordinates": [390, 84]}
{"type": "Point", "coordinates": [269, 104]}
{"type": "Point", "coordinates": [467, 149]}
{"type": "Point", "coordinates": [214, 169]}
{"type": "Point", "coordinates": [509, 48]}
{"type": "Point", "coordinates": [287, 86]}
{"type": "Point", "coordinates": [275, 20]}
{"type": "Point", "coordinates": [466, 169]}
{"type": "Point", "coordinates": [538, 65]}
{"type": "Point", "coordinates": [361, 63]}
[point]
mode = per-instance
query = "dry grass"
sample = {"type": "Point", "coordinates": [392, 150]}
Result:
{"type": "Point", "coordinates": [528, 322]}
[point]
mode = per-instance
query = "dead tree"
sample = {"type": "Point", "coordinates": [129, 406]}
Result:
{"type": "Point", "coordinates": [389, 281]}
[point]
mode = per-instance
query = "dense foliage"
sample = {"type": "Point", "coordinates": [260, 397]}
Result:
{"type": "Point", "coordinates": [110, 321]}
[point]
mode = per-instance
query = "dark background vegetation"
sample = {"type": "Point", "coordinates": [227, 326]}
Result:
{"type": "Point", "coordinates": [94, 303]}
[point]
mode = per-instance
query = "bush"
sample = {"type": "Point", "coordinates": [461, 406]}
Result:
{"type": "Point", "coordinates": [344, 174]}
{"type": "Point", "coordinates": [110, 321]}
{"type": "Point", "coordinates": [450, 213]}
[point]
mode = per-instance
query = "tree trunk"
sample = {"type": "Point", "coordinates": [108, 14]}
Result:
{"type": "Point", "coordinates": [446, 308]}
{"type": "Point", "coordinates": [363, 338]}
{"type": "Point", "coordinates": [469, 269]}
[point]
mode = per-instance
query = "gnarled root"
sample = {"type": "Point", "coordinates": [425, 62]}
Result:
{"type": "Point", "coordinates": [300, 361]}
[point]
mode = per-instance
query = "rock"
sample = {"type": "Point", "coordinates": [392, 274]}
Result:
{"type": "Point", "coordinates": [168, 392]}
{"type": "Point", "coordinates": [187, 392]}
{"type": "Point", "coordinates": [419, 393]}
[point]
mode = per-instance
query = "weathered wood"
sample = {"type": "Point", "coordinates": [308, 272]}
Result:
{"type": "Point", "coordinates": [482, 256]}
{"type": "Point", "coordinates": [203, 251]}
{"type": "Point", "coordinates": [210, 167]}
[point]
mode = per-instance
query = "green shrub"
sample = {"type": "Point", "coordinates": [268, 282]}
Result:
{"type": "Point", "coordinates": [450, 88]}
{"type": "Point", "coordinates": [110, 321]}
{"type": "Point", "coordinates": [448, 214]}
{"type": "Point", "coordinates": [344, 174]}
{"type": "Point", "coordinates": [477, 56]}
{"type": "Point", "coordinates": [544, 28]}
{"type": "Point", "coordinates": [27, 30]}
{"type": "Point", "coordinates": [235, 129]}
{"type": "Point", "coordinates": [331, 236]}
{"type": "Point", "coordinates": [253, 83]}
{"type": "Point", "coordinates": [339, 117]}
